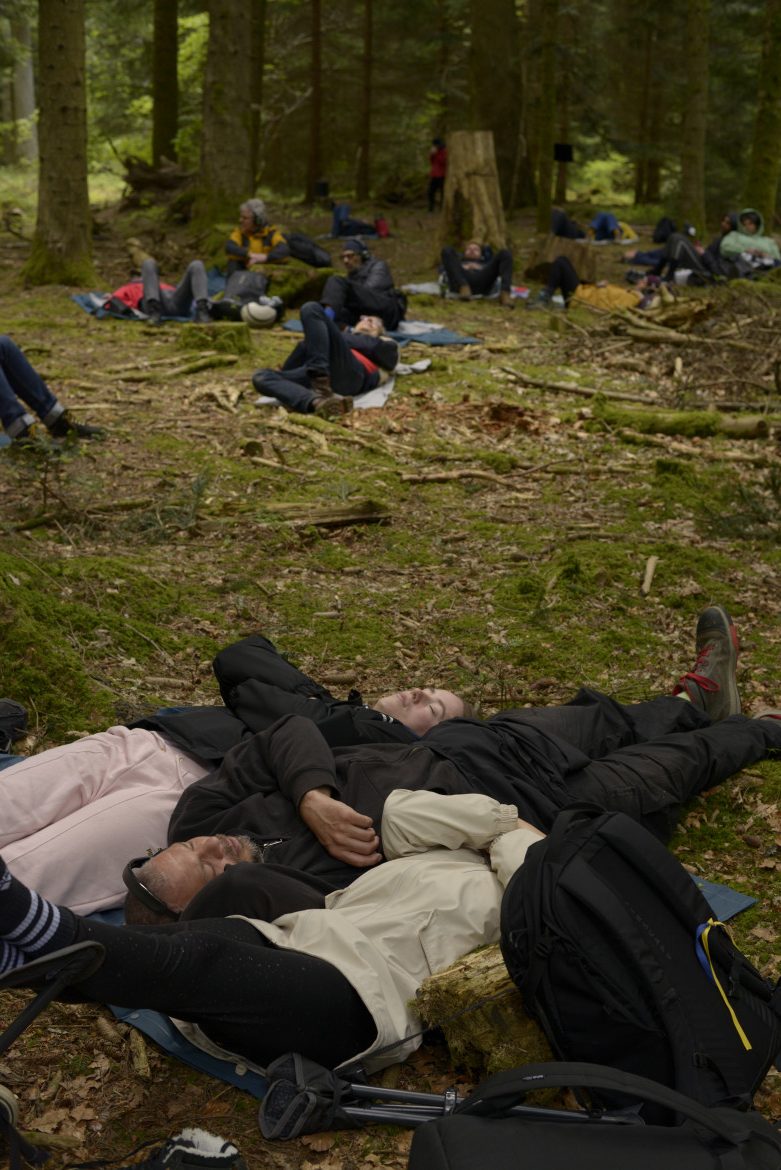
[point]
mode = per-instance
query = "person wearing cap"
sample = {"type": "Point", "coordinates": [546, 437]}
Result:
{"type": "Point", "coordinates": [366, 289]}
{"type": "Point", "coordinates": [475, 271]}
{"type": "Point", "coordinates": [330, 366]}
{"type": "Point", "coordinates": [749, 240]}
{"type": "Point", "coordinates": [255, 240]}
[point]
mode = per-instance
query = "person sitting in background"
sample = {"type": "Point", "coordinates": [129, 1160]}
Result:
{"type": "Point", "coordinates": [21, 386]}
{"type": "Point", "coordinates": [330, 367]}
{"type": "Point", "coordinates": [749, 243]}
{"type": "Point", "coordinates": [366, 289]}
{"type": "Point", "coordinates": [255, 240]}
{"type": "Point", "coordinates": [476, 270]}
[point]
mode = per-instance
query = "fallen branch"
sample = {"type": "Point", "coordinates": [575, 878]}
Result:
{"type": "Point", "coordinates": [660, 336]}
{"type": "Point", "coordinates": [161, 361]}
{"type": "Point", "coordinates": [650, 569]}
{"type": "Point", "coordinates": [275, 463]}
{"type": "Point", "coordinates": [688, 449]}
{"type": "Point", "coordinates": [574, 388]}
{"type": "Point", "coordinates": [193, 367]}
{"type": "Point", "coordinates": [684, 422]}
{"type": "Point", "coordinates": [356, 512]}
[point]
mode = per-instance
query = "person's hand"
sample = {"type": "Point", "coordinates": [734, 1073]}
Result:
{"type": "Point", "coordinates": [258, 257]}
{"type": "Point", "coordinates": [470, 264]}
{"type": "Point", "coordinates": [347, 835]}
{"type": "Point", "coordinates": [531, 828]}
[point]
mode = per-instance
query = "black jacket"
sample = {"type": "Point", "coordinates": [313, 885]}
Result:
{"type": "Point", "coordinates": [258, 687]}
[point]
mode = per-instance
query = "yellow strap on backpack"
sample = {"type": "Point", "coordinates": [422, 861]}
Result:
{"type": "Point", "coordinates": [702, 939]}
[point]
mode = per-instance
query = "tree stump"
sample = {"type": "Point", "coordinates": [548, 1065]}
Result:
{"type": "Point", "coordinates": [480, 1013]}
{"type": "Point", "coordinates": [472, 206]}
{"type": "Point", "coordinates": [580, 254]}
{"type": "Point", "coordinates": [296, 283]}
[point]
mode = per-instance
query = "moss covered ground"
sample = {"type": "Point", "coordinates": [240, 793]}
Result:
{"type": "Point", "coordinates": [512, 578]}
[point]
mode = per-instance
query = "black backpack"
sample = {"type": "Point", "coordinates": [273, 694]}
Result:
{"type": "Point", "coordinates": [618, 957]}
{"type": "Point", "coordinates": [304, 248]}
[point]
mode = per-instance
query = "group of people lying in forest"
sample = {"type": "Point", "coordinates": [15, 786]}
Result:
{"type": "Point", "coordinates": [297, 865]}
{"type": "Point", "coordinates": [348, 349]}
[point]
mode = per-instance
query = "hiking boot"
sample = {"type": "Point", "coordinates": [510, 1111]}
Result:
{"type": "Point", "coordinates": [464, 292]}
{"type": "Point", "coordinates": [328, 405]}
{"type": "Point", "coordinates": [202, 315]}
{"type": "Point", "coordinates": [711, 684]}
{"type": "Point", "coordinates": [768, 713]}
{"type": "Point", "coordinates": [506, 300]}
{"type": "Point", "coordinates": [154, 312]}
{"type": "Point", "coordinates": [321, 384]}
{"type": "Point", "coordinates": [65, 427]}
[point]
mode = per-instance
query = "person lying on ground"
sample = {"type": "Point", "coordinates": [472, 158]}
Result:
{"type": "Point", "coordinates": [563, 277]}
{"type": "Point", "coordinates": [330, 366]}
{"type": "Point", "coordinates": [314, 813]}
{"type": "Point", "coordinates": [748, 240]}
{"type": "Point", "coordinates": [334, 984]}
{"type": "Point", "coordinates": [607, 228]}
{"type": "Point", "coordinates": [71, 816]}
{"type": "Point", "coordinates": [366, 289]}
{"type": "Point", "coordinates": [190, 298]}
{"type": "Point", "coordinates": [476, 270]}
{"type": "Point", "coordinates": [23, 387]}
{"type": "Point", "coordinates": [561, 225]}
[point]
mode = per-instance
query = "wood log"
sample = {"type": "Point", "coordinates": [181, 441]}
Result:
{"type": "Point", "coordinates": [574, 388]}
{"type": "Point", "coordinates": [334, 516]}
{"type": "Point", "coordinates": [472, 204]}
{"type": "Point", "coordinates": [682, 422]}
{"type": "Point", "coordinates": [480, 1013]}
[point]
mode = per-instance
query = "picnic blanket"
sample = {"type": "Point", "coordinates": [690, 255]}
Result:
{"type": "Point", "coordinates": [723, 900]}
{"type": "Point", "coordinates": [93, 302]}
{"type": "Point", "coordinates": [425, 332]}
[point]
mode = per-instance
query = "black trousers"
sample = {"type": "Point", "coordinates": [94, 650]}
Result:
{"type": "Point", "coordinates": [562, 276]}
{"type": "Point", "coordinates": [174, 302]}
{"type": "Point", "coordinates": [646, 760]}
{"type": "Point", "coordinates": [246, 994]}
{"type": "Point", "coordinates": [351, 301]}
{"type": "Point", "coordinates": [324, 350]}
{"type": "Point", "coordinates": [480, 280]}
{"type": "Point", "coordinates": [679, 252]}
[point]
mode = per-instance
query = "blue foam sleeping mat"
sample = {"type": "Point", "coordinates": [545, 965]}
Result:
{"type": "Point", "coordinates": [723, 900]}
{"type": "Point", "coordinates": [426, 333]}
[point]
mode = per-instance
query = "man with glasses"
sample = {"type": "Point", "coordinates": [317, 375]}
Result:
{"type": "Point", "coordinates": [366, 289]}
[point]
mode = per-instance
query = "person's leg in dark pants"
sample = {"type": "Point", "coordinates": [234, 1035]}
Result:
{"type": "Point", "coordinates": [328, 351]}
{"type": "Point", "coordinates": [18, 380]}
{"type": "Point", "coordinates": [293, 388]}
{"type": "Point", "coordinates": [651, 781]}
{"type": "Point", "coordinates": [499, 267]}
{"type": "Point", "coordinates": [457, 278]}
{"type": "Point", "coordinates": [562, 276]}
{"type": "Point", "coordinates": [150, 278]}
{"type": "Point", "coordinates": [193, 287]}
{"type": "Point", "coordinates": [361, 301]}
{"type": "Point", "coordinates": [255, 999]}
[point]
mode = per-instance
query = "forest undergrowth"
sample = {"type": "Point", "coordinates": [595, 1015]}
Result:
{"type": "Point", "coordinates": [489, 530]}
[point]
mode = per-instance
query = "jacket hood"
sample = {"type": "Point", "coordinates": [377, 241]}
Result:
{"type": "Point", "coordinates": [752, 211]}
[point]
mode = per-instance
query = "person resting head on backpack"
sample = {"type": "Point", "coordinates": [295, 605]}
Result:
{"type": "Point", "coordinates": [748, 239]}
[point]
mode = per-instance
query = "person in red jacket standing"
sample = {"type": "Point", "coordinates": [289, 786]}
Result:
{"type": "Point", "coordinates": [437, 158]}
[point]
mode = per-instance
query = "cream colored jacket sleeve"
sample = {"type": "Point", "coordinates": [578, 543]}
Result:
{"type": "Point", "coordinates": [414, 822]}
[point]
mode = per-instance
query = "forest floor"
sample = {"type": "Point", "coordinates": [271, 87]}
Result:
{"type": "Point", "coordinates": [506, 532]}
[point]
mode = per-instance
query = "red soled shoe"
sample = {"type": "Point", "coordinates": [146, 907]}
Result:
{"type": "Point", "coordinates": [711, 684]}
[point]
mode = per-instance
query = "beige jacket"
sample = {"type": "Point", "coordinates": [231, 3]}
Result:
{"type": "Point", "coordinates": [436, 898]}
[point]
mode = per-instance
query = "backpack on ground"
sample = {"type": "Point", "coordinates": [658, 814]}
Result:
{"type": "Point", "coordinates": [484, 1132]}
{"type": "Point", "coordinates": [618, 957]}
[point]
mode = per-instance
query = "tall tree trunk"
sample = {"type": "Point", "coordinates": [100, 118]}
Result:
{"type": "Point", "coordinates": [364, 137]}
{"type": "Point", "coordinates": [472, 205]}
{"type": "Point", "coordinates": [257, 66]}
{"type": "Point", "coordinates": [762, 182]}
{"type": "Point", "coordinates": [61, 251]}
{"type": "Point", "coordinates": [494, 79]}
{"type": "Point", "coordinates": [444, 39]}
{"type": "Point", "coordinates": [226, 169]}
{"type": "Point", "coordinates": [165, 81]}
{"type": "Point", "coordinates": [25, 131]}
{"type": "Point", "coordinates": [695, 115]}
{"type": "Point", "coordinates": [643, 106]}
{"type": "Point", "coordinates": [314, 163]}
{"type": "Point", "coordinates": [547, 114]}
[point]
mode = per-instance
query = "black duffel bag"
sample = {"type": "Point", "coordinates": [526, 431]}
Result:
{"type": "Point", "coordinates": [482, 1133]}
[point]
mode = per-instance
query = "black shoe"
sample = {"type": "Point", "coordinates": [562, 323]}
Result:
{"type": "Point", "coordinates": [202, 314]}
{"type": "Point", "coordinates": [154, 312]}
{"type": "Point", "coordinates": [328, 405]}
{"type": "Point", "coordinates": [65, 427]}
{"type": "Point", "coordinates": [711, 684]}
{"type": "Point", "coordinates": [13, 723]}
